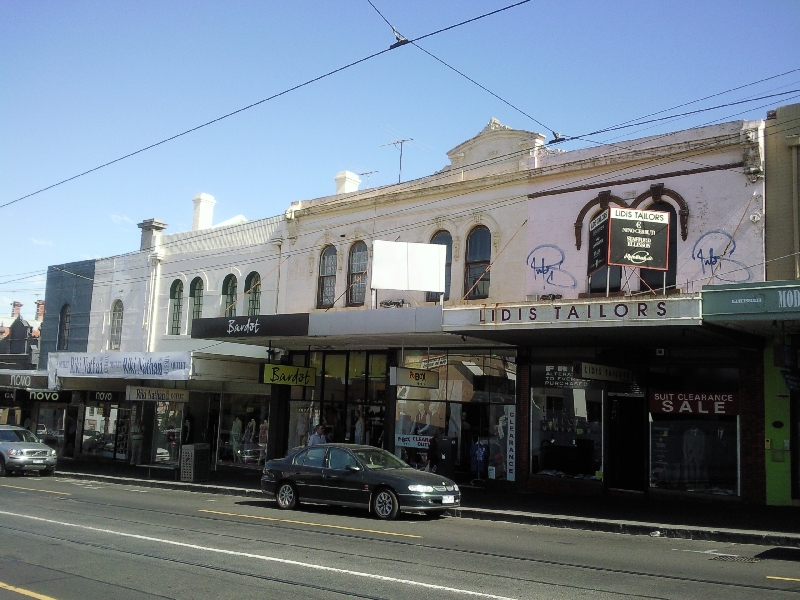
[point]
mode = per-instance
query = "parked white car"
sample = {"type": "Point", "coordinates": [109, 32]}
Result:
{"type": "Point", "coordinates": [21, 451]}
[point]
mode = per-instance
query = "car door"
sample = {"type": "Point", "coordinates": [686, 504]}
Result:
{"type": "Point", "coordinates": [343, 484]}
{"type": "Point", "coordinates": [307, 473]}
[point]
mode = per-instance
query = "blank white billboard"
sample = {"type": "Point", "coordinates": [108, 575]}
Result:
{"type": "Point", "coordinates": [409, 267]}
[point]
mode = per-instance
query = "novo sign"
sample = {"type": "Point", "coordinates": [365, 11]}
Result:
{"type": "Point", "coordinates": [288, 375]}
{"type": "Point", "coordinates": [41, 395]}
{"type": "Point", "coordinates": [419, 378]}
{"type": "Point", "coordinates": [130, 365]}
{"type": "Point", "coordinates": [150, 394]}
{"type": "Point", "coordinates": [693, 403]}
{"type": "Point", "coordinates": [22, 380]}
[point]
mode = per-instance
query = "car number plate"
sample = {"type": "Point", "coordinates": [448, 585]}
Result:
{"type": "Point", "coordinates": [448, 499]}
{"type": "Point", "coordinates": [38, 462]}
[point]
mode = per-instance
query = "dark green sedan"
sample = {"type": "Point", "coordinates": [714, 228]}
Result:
{"type": "Point", "coordinates": [361, 476]}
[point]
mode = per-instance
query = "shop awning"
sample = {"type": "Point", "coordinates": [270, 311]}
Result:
{"type": "Point", "coordinates": [752, 307]}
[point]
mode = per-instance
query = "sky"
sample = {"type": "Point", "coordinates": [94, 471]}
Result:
{"type": "Point", "coordinates": [84, 83]}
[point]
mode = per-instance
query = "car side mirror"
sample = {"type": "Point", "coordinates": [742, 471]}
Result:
{"type": "Point", "coordinates": [353, 468]}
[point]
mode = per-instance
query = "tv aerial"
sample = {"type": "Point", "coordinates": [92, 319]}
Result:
{"type": "Point", "coordinates": [400, 143]}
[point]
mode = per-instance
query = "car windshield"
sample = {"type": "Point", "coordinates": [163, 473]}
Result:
{"type": "Point", "coordinates": [379, 459]}
{"type": "Point", "coordinates": [17, 435]}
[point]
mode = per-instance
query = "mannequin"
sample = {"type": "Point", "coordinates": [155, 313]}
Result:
{"type": "Point", "coordinates": [359, 428]}
{"type": "Point", "coordinates": [236, 437]}
{"type": "Point", "coordinates": [694, 456]}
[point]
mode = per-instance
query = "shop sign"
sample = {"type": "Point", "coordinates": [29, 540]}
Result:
{"type": "Point", "coordinates": [150, 394]}
{"type": "Point", "coordinates": [412, 441]}
{"type": "Point", "coordinates": [693, 403]}
{"type": "Point", "coordinates": [40, 395]}
{"type": "Point", "coordinates": [604, 313]}
{"type": "Point", "coordinates": [419, 378]}
{"type": "Point", "coordinates": [21, 380]}
{"type": "Point", "coordinates": [511, 443]}
{"type": "Point", "coordinates": [586, 370]}
{"type": "Point", "coordinates": [638, 238]}
{"type": "Point", "coordinates": [289, 375]}
{"type": "Point", "coordinates": [102, 396]}
{"type": "Point", "coordinates": [8, 395]}
{"type": "Point", "coordinates": [558, 376]}
{"type": "Point", "coordinates": [598, 243]}
{"type": "Point", "coordinates": [127, 365]}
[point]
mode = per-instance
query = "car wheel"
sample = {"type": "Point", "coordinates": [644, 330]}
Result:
{"type": "Point", "coordinates": [385, 505]}
{"type": "Point", "coordinates": [3, 471]}
{"type": "Point", "coordinates": [286, 496]}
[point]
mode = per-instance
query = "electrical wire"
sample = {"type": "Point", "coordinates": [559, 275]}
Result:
{"type": "Point", "coordinates": [254, 104]}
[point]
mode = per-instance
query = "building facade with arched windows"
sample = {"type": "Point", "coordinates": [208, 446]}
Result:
{"type": "Point", "coordinates": [552, 373]}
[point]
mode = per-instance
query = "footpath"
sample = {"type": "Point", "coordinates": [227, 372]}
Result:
{"type": "Point", "coordinates": [727, 522]}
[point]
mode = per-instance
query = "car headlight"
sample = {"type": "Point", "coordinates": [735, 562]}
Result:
{"type": "Point", "coordinates": [421, 488]}
{"type": "Point", "coordinates": [52, 452]}
{"type": "Point", "coordinates": [455, 487]}
{"type": "Point", "coordinates": [15, 452]}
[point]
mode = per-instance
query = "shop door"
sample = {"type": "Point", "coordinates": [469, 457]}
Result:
{"type": "Point", "coordinates": [794, 440]}
{"type": "Point", "coordinates": [626, 443]}
{"type": "Point", "coordinates": [51, 426]}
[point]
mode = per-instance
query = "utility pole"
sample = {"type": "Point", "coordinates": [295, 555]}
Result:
{"type": "Point", "coordinates": [395, 144]}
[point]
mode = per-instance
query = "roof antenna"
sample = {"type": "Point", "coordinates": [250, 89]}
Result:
{"type": "Point", "coordinates": [395, 143]}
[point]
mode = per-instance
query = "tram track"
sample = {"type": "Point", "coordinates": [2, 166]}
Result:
{"type": "Point", "coordinates": [413, 545]}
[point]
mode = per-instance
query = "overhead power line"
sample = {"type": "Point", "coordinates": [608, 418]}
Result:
{"type": "Point", "coordinates": [254, 104]}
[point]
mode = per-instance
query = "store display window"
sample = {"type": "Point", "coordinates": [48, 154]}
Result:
{"type": "Point", "coordinates": [473, 408]}
{"type": "Point", "coordinates": [566, 423]}
{"type": "Point", "coordinates": [244, 430]}
{"type": "Point", "coordinates": [167, 432]}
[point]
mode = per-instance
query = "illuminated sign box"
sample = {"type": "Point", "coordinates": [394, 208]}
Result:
{"type": "Point", "coordinates": [414, 378]}
{"type": "Point", "coordinates": [289, 375]}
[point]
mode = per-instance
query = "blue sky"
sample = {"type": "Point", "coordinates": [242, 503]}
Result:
{"type": "Point", "coordinates": [86, 82]}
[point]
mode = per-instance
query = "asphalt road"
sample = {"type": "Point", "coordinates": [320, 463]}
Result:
{"type": "Point", "coordinates": [68, 539]}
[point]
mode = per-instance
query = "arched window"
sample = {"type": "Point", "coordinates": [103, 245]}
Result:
{"type": "Point", "coordinates": [479, 254]}
{"type": "Point", "coordinates": [609, 278]}
{"type": "Point", "coordinates": [115, 339]}
{"type": "Point", "coordinates": [229, 295]}
{"type": "Point", "coordinates": [326, 287]}
{"type": "Point", "coordinates": [252, 288]}
{"type": "Point", "coordinates": [195, 300]}
{"type": "Point", "coordinates": [63, 327]}
{"type": "Point", "coordinates": [655, 280]}
{"type": "Point", "coordinates": [176, 307]}
{"type": "Point", "coordinates": [443, 238]}
{"type": "Point", "coordinates": [357, 274]}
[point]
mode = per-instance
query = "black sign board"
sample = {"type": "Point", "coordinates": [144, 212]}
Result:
{"type": "Point", "coordinates": [44, 395]}
{"type": "Point", "coordinates": [259, 326]}
{"type": "Point", "coordinates": [638, 238]}
{"type": "Point", "coordinates": [598, 242]}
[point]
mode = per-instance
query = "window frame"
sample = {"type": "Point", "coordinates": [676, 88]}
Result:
{"type": "Point", "coordinates": [115, 325]}
{"type": "Point", "coordinates": [325, 279]}
{"type": "Point", "coordinates": [229, 285]}
{"type": "Point", "coordinates": [176, 307]}
{"type": "Point", "coordinates": [434, 296]}
{"type": "Point", "coordinates": [64, 323]}
{"type": "Point", "coordinates": [253, 292]}
{"type": "Point", "coordinates": [356, 279]}
{"type": "Point", "coordinates": [476, 293]}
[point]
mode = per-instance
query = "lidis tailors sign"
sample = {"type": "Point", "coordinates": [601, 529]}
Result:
{"type": "Point", "coordinates": [694, 403]}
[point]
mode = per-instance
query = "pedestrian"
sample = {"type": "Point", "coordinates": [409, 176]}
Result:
{"type": "Point", "coordinates": [318, 437]}
{"type": "Point", "coordinates": [137, 435]}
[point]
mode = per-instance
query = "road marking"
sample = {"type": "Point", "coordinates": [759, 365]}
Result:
{"type": "Point", "coordinates": [11, 588]}
{"type": "Point", "coordinates": [227, 514]}
{"type": "Point", "coordinates": [17, 487]}
{"type": "Point", "coordinates": [782, 578]}
{"type": "Point", "coordinates": [273, 559]}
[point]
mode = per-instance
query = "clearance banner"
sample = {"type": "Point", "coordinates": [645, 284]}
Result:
{"type": "Point", "coordinates": [695, 404]}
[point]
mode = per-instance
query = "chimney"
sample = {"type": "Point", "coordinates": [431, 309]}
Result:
{"type": "Point", "coordinates": [346, 181]}
{"type": "Point", "coordinates": [203, 211]}
{"type": "Point", "coordinates": [151, 233]}
{"type": "Point", "coordinates": [15, 306]}
{"type": "Point", "coordinates": [39, 310]}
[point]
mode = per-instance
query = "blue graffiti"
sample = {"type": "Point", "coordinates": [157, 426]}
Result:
{"type": "Point", "coordinates": [546, 261]}
{"type": "Point", "coordinates": [718, 263]}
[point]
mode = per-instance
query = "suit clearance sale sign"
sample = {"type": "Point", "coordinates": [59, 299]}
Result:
{"type": "Point", "coordinates": [638, 238]}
